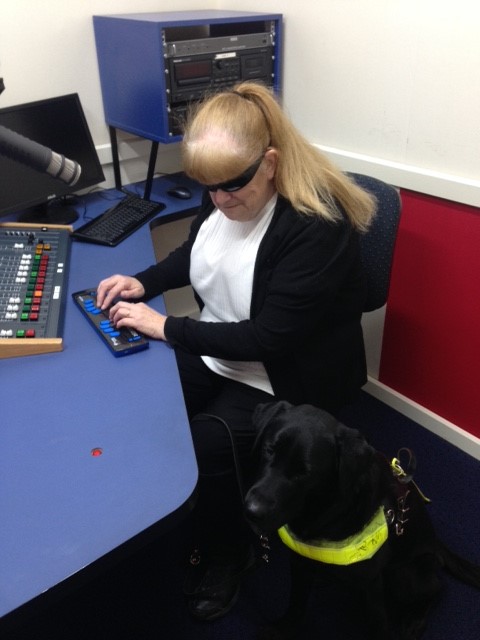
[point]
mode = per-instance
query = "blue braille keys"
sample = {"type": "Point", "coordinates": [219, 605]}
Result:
{"type": "Point", "coordinates": [120, 341]}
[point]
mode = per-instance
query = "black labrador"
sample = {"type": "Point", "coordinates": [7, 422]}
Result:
{"type": "Point", "coordinates": [349, 513]}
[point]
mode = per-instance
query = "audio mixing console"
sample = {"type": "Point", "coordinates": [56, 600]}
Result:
{"type": "Point", "coordinates": [34, 261]}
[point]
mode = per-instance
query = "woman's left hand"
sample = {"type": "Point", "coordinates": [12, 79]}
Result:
{"type": "Point", "coordinates": [140, 317]}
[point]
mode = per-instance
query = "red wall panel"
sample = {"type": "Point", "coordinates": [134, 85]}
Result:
{"type": "Point", "coordinates": [431, 342]}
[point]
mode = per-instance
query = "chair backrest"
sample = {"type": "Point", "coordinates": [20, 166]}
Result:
{"type": "Point", "coordinates": [378, 243]}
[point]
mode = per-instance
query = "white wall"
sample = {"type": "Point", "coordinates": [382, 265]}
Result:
{"type": "Point", "coordinates": [48, 48]}
{"type": "Point", "coordinates": [387, 87]}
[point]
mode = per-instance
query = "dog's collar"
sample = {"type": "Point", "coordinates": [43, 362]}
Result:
{"type": "Point", "coordinates": [360, 546]}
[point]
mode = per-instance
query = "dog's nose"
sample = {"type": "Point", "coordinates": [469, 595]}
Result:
{"type": "Point", "coordinates": [255, 511]}
{"type": "Point", "coordinates": [254, 515]}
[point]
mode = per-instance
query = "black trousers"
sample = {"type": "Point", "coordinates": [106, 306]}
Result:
{"type": "Point", "coordinates": [219, 410]}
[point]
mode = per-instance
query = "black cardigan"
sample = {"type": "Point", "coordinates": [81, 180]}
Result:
{"type": "Point", "coordinates": [307, 299]}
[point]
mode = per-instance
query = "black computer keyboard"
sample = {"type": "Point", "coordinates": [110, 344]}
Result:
{"type": "Point", "coordinates": [118, 222]}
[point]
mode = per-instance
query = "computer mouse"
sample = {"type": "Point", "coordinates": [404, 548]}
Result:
{"type": "Point", "coordinates": [180, 191]}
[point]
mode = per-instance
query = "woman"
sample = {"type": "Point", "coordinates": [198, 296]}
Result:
{"type": "Point", "coordinates": [273, 257]}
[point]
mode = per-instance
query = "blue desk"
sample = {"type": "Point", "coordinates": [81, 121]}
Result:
{"type": "Point", "coordinates": [61, 508]}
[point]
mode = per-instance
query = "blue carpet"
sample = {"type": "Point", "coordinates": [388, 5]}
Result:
{"type": "Point", "coordinates": [141, 597]}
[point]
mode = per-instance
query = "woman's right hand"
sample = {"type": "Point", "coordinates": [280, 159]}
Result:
{"type": "Point", "coordinates": [118, 286]}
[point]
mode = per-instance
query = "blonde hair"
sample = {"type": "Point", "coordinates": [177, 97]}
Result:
{"type": "Point", "coordinates": [229, 131]}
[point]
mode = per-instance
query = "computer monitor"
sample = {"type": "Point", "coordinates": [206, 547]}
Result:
{"type": "Point", "coordinates": [57, 123]}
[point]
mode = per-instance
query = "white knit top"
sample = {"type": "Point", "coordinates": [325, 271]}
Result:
{"type": "Point", "coordinates": [221, 271]}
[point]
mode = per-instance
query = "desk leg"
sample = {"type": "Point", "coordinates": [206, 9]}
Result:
{"type": "Point", "coordinates": [151, 169]}
{"type": "Point", "coordinates": [115, 158]}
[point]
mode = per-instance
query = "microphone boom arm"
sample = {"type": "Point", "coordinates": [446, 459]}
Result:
{"type": "Point", "coordinates": [37, 156]}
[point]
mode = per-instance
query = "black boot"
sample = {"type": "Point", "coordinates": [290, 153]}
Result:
{"type": "Point", "coordinates": [213, 583]}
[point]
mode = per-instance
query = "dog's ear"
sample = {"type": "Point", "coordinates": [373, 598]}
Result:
{"type": "Point", "coordinates": [355, 461]}
{"type": "Point", "coordinates": [265, 412]}
{"type": "Point", "coordinates": [262, 417]}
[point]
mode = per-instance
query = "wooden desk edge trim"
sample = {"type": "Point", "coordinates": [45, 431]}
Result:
{"type": "Point", "coordinates": [16, 347]}
{"type": "Point", "coordinates": [26, 225]}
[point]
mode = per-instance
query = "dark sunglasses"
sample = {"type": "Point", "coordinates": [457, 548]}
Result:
{"type": "Point", "coordinates": [235, 184]}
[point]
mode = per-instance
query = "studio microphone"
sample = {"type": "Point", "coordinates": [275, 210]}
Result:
{"type": "Point", "coordinates": [36, 156]}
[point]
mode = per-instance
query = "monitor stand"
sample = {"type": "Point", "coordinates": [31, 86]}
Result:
{"type": "Point", "coordinates": [57, 211]}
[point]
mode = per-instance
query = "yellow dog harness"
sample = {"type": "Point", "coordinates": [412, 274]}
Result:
{"type": "Point", "coordinates": [360, 546]}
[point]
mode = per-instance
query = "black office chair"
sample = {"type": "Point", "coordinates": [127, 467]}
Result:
{"type": "Point", "coordinates": [379, 242]}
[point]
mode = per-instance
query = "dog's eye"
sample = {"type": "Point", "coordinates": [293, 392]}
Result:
{"type": "Point", "coordinates": [268, 451]}
{"type": "Point", "coordinates": [296, 469]}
